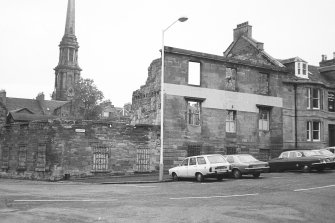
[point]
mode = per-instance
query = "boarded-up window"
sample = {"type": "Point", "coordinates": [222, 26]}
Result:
{"type": "Point", "coordinates": [41, 158]}
{"type": "Point", "coordinates": [100, 159]}
{"type": "Point", "coordinates": [143, 160]}
{"type": "Point", "coordinates": [22, 164]}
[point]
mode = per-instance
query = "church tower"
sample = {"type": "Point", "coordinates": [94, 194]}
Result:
{"type": "Point", "coordinates": [67, 71]}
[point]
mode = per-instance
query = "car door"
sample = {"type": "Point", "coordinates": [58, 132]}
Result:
{"type": "Point", "coordinates": [182, 169]}
{"type": "Point", "coordinates": [192, 167]}
{"type": "Point", "coordinates": [280, 163]}
{"type": "Point", "coordinates": [293, 161]}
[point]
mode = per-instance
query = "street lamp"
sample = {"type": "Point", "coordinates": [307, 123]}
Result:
{"type": "Point", "coordinates": [161, 165]}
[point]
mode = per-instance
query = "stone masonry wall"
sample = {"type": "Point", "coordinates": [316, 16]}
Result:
{"type": "Point", "coordinates": [54, 150]}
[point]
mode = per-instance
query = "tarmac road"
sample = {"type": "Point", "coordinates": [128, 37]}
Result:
{"type": "Point", "coordinates": [275, 197]}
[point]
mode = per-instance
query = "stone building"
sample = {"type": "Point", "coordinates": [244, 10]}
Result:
{"type": "Point", "coordinates": [245, 101]}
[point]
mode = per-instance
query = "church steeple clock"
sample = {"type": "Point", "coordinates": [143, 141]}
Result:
{"type": "Point", "coordinates": [67, 71]}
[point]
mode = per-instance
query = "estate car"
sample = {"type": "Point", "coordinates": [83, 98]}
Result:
{"type": "Point", "coordinates": [200, 167]}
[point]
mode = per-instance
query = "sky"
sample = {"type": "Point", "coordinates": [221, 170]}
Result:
{"type": "Point", "coordinates": [119, 39]}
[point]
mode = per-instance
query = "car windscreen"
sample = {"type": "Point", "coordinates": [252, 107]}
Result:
{"type": "Point", "coordinates": [246, 158]}
{"type": "Point", "coordinates": [216, 159]}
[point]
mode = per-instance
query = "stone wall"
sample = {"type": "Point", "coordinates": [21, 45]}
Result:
{"type": "Point", "coordinates": [45, 150]}
{"type": "Point", "coordinates": [146, 100]}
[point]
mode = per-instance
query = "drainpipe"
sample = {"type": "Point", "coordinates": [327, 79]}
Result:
{"type": "Point", "coordinates": [295, 117]}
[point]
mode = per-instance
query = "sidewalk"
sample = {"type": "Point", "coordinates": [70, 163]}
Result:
{"type": "Point", "coordinates": [125, 179]}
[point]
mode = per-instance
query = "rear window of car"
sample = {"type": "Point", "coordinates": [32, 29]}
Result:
{"type": "Point", "coordinates": [216, 159]}
{"type": "Point", "coordinates": [201, 160]}
{"type": "Point", "coordinates": [246, 158]}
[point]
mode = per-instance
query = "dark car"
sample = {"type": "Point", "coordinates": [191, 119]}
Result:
{"type": "Point", "coordinates": [246, 164]}
{"type": "Point", "coordinates": [305, 160]}
{"type": "Point", "coordinates": [327, 154]}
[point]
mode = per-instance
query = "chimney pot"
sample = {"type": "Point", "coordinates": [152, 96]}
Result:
{"type": "Point", "coordinates": [243, 29]}
{"type": "Point", "coordinates": [333, 55]}
{"type": "Point", "coordinates": [324, 57]}
{"type": "Point", "coordinates": [3, 96]}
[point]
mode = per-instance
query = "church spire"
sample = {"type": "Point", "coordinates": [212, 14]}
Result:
{"type": "Point", "coordinates": [70, 18]}
{"type": "Point", "coordinates": [67, 71]}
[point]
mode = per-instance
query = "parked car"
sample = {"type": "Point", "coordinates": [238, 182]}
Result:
{"type": "Point", "coordinates": [246, 164]}
{"type": "Point", "coordinates": [305, 160]}
{"type": "Point", "coordinates": [331, 149]}
{"type": "Point", "coordinates": [200, 167]}
{"type": "Point", "coordinates": [328, 154]}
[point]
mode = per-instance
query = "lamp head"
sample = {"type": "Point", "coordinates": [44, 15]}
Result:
{"type": "Point", "coordinates": [182, 19]}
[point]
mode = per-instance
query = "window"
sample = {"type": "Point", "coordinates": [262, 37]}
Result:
{"type": "Point", "coordinates": [194, 73]}
{"type": "Point", "coordinates": [263, 81]}
{"type": "Point", "coordinates": [230, 79]}
{"type": "Point", "coordinates": [313, 131]}
{"type": "Point", "coordinates": [309, 133]}
{"type": "Point", "coordinates": [231, 150]}
{"type": "Point", "coordinates": [284, 155]}
{"type": "Point", "coordinates": [263, 122]}
{"type": "Point", "coordinates": [41, 158]}
{"type": "Point", "coordinates": [313, 98]}
{"type": "Point", "coordinates": [143, 159]}
{"type": "Point", "coordinates": [193, 150]}
{"type": "Point", "coordinates": [201, 160]}
{"type": "Point", "coordinates": [185, 162]}
{"type": "Point", "coordinates": [331, 101]}
{"type": "Point", "coordinates": [193, 112]}
{"type": "Point", "coordinates": [230, 159]}
{"type": "Point", "coordinates": [231, 121]}
{"type": "Point", "coordinates": [100, 158]}
{"type": "Point", "coordinates": [193, 161]}
{"type": "Point", "coordinates": [316, 131]}
{"type": "Point", "coordinates": [304, 70]}
{"type": "Point", "coordinates": [301, 69]}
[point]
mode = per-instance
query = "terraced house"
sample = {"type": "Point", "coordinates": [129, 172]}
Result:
{"type": "Point", "coordinates": [244, 101]}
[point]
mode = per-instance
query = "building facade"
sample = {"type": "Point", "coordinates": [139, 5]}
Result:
{"type": "Point", "coordinates": [245, 101]}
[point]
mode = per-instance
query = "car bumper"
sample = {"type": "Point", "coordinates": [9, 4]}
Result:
{"type": "Point", "coordinates": [217, 173]}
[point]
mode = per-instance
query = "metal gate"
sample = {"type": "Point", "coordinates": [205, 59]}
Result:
{"type": "Point", "coordinates": [143, 160]}
{"type": "Point", "coordinates": [100, 159]}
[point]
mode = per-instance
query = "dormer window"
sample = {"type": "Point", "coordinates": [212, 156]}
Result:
{"type": "Point", "coordinates": [301, 69]}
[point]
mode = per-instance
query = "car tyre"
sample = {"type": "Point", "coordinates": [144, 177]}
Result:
{"type": "Point", "coordinates": [306, 169]}
{"type": "Point", "coordinates": [175, 177]}
{"type": "Point", "coordinates": [199, 177]}
{"type": "Point", "coordinates": [237, 174]}
{"type": "Point", "coordinates": [256, 175]}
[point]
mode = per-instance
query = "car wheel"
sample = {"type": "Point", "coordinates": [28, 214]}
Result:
{"type": "Point", "coordinates": [175, 177]}
{"type": "Point", "coordinates": [220, 177]}
{"type": "Point", "coordinates": [306, 169]}
{"type": "Point", "coordinates": [256, 175]}
{"type": "Point", "coordinates": [199, 177]}
{"type": "Point", "coordinates": [237, 174]}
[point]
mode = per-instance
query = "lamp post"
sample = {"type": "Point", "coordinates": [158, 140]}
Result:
{"type": "Point", "coordinates": [161, 165]}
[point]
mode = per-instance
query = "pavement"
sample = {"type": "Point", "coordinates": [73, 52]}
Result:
{"type": "Point", "coordinates": [136, 178]}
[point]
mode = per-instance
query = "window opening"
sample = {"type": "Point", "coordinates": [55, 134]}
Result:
{"type": "Point", "coordinates": [194, 73]}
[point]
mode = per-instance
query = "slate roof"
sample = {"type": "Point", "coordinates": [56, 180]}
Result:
{"type": "Point", "coordinates": [22, 117]}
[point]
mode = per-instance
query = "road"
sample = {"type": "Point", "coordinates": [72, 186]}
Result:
{"type": "Point", "coordinates": [274, 197]}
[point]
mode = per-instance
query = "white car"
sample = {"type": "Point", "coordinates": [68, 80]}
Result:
{"type": "Point", "coordinates": [200, 167]}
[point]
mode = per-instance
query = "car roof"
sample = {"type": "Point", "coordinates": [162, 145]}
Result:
{"type": "Point", "coordinates": [204, 155]}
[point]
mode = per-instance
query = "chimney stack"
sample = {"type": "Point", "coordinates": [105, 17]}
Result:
{"type": "Point", "coordinates": [3, 96]}
{"type": "Point", "coordinates": [40, 97]}
{"type": "Point", "coordinates": [333, 55]}
{"type": "Point", "coordinates": [324, 57]}
{"type": "Point", "coordinates": [242, 29]}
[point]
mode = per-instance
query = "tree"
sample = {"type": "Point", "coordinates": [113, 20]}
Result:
{"type": "Point", "coordinates": [86, 99]}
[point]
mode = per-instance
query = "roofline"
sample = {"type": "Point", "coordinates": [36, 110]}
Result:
{"type": "Point", "coordinates": [180, 51]}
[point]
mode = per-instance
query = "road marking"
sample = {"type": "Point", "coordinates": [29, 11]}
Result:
{"type": "Point", "coordinates": [219, 196]}
{"type": "Point", "coordinates": [132, 185]}
{"type": "Point", "coordinates": [313, 188]}
{"type": "Point", "coordinates": [111, 200]}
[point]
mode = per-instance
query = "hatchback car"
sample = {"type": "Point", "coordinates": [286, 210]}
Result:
{"type": "Point", "coordinates": [305, 160]}
{"type": "Point", "coordinates": [246, 164]}
{"type": "Point", "coordinates": [200, 167]}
